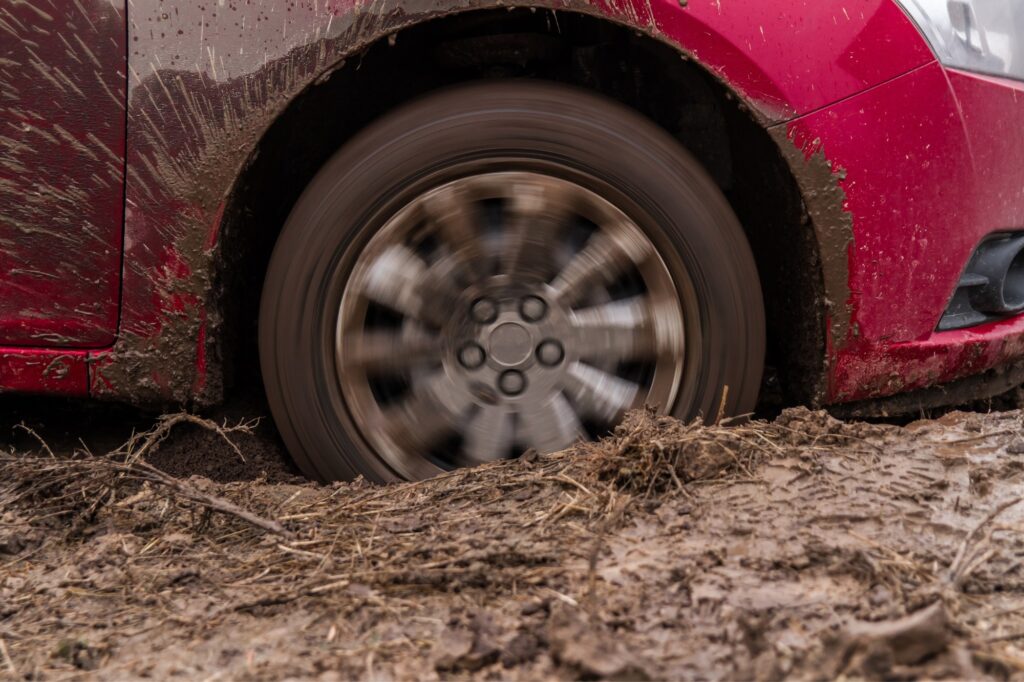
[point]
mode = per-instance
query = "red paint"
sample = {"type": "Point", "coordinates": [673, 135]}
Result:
{"type": "Point", "coordinates": [62, 140]}
{"type": "Point", "coordinates": [57, 372]}
{"type": "Point", "coordinates": [215, 223]}
{"type": "Point", "coordinates": [792, 57]}
{"type": "Point", "coordinates": [886, 369]}
{"type": "Point", "coordinates": [993, 116]}
{"type": "Point", "coordinates": [932, 161]}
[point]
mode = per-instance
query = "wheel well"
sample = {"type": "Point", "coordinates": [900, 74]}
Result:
{"type": "Point", "coordinates": [572, 48]}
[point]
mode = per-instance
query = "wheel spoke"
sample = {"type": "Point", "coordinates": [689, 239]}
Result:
{"type": "Point", "coordinates": [432, 410]}
{"type": "Point", "coordinates": [628, 329]}
{"type": "Point", "coordinates": [489, 435]}
{"type": "Point", "coordinates": [536, 216]}
{"type": "Point", "coordinates": [550, 427]}
{"type": "Point", "coordinates": [391, 350]}
{"type": "Point", "coordinates": [605, 257]}
{"type": "Point", "coordinates": [400, 280]}
{"type": "Point", "coordinates": [453, 213]}
{"type": "Point", "coordinates": [527, 253]}
{"type": "Point", "coordinates": [597, 393]}
{"type": "Point", "coordinates": [412, 426]}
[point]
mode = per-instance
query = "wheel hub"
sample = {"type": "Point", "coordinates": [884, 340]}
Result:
{"type": "Point", "coordinates": [511, 344]}
{"type": "Point", "coordinates": [520, 355]}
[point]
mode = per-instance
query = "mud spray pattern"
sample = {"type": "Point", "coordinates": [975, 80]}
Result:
{"type": "Point", "coordinates": [62, 101]}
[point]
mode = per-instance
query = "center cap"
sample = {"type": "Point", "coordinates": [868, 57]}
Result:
{"type": "Point", "coordinates": [510, 344]}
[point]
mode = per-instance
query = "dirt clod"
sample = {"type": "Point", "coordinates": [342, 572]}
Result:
{"type": "Point", "coordinates": [589, 651]}
{"type": "Point", "coordinates": [873, 649]}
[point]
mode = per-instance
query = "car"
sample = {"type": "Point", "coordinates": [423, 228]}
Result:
{"type": "Point", "coordinates": [446, 233]}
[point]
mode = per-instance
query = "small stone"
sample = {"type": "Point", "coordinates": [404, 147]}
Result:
{"type": "Point", "coordinates": [532, 607]}
{"type": "Point", "coordinates": [451, 648]}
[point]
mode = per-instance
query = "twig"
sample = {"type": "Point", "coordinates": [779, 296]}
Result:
{"type": "Point", "coordinates": [962, 567]}
{"type": "Point", "coordinates": [39, 438]}
{"type": "Point", "coordinates": [277, 599]}
{"type": "Point", "coordinates": [152, 438]}
{"type": "Point", "coordinates": [983, 436]}
{"type": "Point", "coordinates": [721, 405]}
{"type": "Point", "coordinates": [562, 478]}
{"type": "Point", "coordinates": [1008, 637]}
{"type": "Point", "coordinates": [154, 475]}
{"type": "Point", "coordinates": [1002, 658]}
{"type": "Point", "coordinates": [7, 658]}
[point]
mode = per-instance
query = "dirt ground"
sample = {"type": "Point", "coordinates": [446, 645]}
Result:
{"type": "Point", "coordinates": [801, 547]}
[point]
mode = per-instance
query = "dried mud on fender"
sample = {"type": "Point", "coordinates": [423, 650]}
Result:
{"type": "Point", "coordinates": [801, 547]}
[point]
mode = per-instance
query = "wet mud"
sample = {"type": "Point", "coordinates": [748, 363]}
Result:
{"type": "Point", "coordinates": [801, 546]}
{"type": "Point", "coordinates": [820, 184]}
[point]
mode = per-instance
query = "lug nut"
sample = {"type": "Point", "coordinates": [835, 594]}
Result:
{"type": "Point", "coordinates": [484, 311]}
{"type": "Point", "coordinates": [532, 309]}
{"type": "Point", "coordinates": [512, 382]}
{"type": "Point", "coordinates": [550, 352]}
{"type": "Point", "coordinates": [471, 355]}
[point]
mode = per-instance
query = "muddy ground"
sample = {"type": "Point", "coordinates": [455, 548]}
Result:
{"type": "Point", "coordinates": [802, 547]}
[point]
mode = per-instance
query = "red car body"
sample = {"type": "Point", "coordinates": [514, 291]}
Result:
{"type": "Point", "coordinates": [126, 130]}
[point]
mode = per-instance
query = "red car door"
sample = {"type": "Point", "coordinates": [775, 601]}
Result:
{"type": "Point", "coordinates": [62, 144]}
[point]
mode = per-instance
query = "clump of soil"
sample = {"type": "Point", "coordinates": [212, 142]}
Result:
{"type": "Point", "coordinates": [198, 451]}
{"type": "Point", "coordinates": [800, 547]}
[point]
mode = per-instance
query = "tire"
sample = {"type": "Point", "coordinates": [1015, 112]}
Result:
{"type": "Point", "coordinates": [372, 235]}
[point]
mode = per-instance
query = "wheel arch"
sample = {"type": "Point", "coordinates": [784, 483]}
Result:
{"type": "Point", "coordinates": [192, 250]}
{"type": "Point", "coordinates": [717, 120]}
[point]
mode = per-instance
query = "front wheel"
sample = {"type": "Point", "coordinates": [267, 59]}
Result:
{"type": "Point", "coordinates": [498, 267]}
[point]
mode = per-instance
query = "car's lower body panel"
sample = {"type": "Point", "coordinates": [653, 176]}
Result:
{"type": "Point", "coordinates": [54, 372]}
{"type": "Point", "coordinates": [928, 164]}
